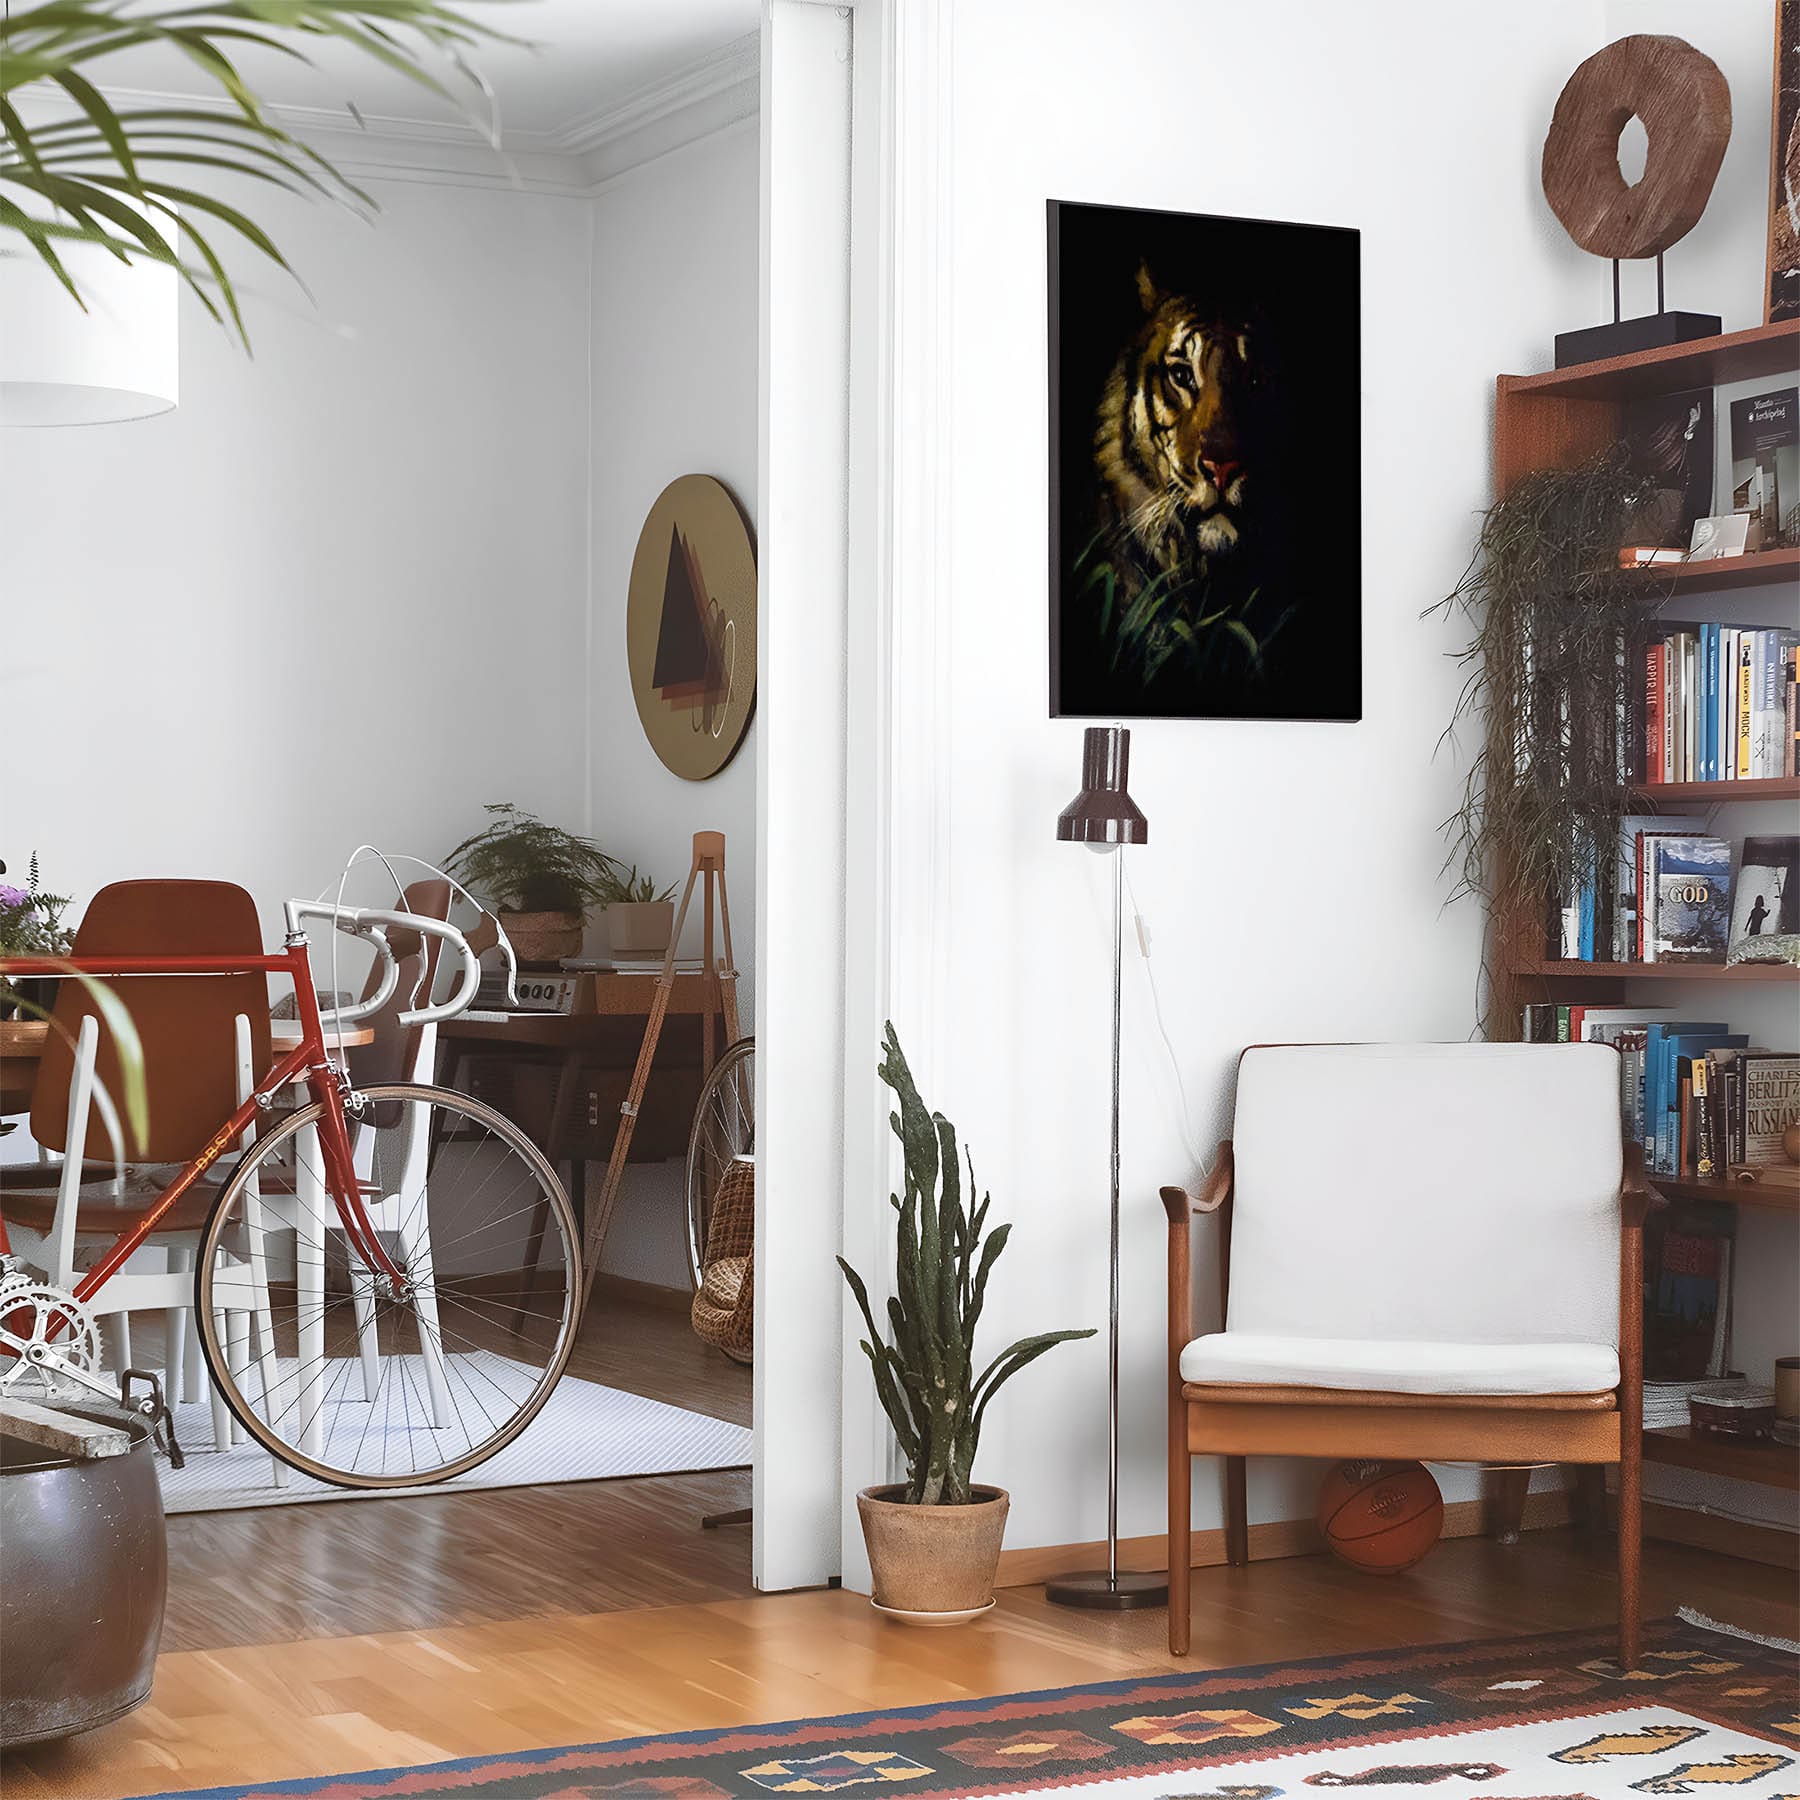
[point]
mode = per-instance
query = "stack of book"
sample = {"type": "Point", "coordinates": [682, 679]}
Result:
{"type": "Point", "coordinates": [1697, 1095]}
{"type": "Point", "coordinates": [1677, 894]}
{"type": "Point", "coordinates": [1719, 704]}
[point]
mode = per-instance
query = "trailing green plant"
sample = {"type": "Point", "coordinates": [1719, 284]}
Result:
{"type": "Point", "coordinates": [521, 863]}
{"type": "Point", "coordinates": [137, 181]}
{"type": "Point", "coordinates": [1548, 682]}
{"type": "Point", "coordinates": [925, 1373]}
{"type": "Point", "coordinates": [626, 887]}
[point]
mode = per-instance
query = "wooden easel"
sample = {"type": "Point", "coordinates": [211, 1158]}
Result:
{"type": "Point", "coordinates": [721, 999]}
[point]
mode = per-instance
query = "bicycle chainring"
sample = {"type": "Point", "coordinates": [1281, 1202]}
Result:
{"type": "Point", "coordinates": [34, 1312]}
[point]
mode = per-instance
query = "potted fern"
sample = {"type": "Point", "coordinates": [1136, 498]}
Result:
{"type": "Point", "coordinates": [542, 878]}
{"type": "Point", "coordinates": [934, 1539]}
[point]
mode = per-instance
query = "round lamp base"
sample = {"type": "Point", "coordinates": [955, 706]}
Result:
{"type": "Point", "coordinates": [1099, 1592]}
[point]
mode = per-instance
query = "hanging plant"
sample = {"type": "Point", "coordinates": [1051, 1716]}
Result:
{"type": "Point", "coordinates": [1549, 680]}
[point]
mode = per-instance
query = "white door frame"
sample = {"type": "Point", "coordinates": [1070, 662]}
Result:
{"type": "Point", "coordinates": [852, 775]}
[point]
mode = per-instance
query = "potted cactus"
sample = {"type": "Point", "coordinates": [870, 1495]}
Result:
{"type": "Point", "coordinates": [934, 1539]}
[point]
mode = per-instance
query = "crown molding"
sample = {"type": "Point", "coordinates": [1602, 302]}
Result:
{"type": "Point", "coordinates": [706, 96]}
{"type": "Point", "coordinates": [725, 74]}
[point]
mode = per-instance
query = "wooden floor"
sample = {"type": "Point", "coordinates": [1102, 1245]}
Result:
{"type": "Point", "coordinates": [336, 1704]}
{"type": "Point", "coordinates": [319, 1639]}
{"type": "Point", "coordinates": [281, 1573]}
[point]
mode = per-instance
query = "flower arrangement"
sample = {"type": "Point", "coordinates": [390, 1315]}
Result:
{"type": "Point", "coordinates": [30, 925]}
{"type": "Point", "coordinates": [31, 920]}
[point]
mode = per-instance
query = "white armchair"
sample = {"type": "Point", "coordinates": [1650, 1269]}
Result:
{"type": "Point", "coordinates": [1426, 1251]}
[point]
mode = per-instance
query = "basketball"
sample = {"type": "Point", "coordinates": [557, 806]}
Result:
{"type": "Point", "coordinates": [1380, 1517]}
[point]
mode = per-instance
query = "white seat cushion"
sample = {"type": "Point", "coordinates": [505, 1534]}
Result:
{"type": "Point", "coordinates": [1394, 1366]}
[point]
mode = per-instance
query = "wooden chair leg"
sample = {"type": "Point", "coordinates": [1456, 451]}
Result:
{"type": "Point", "coordinates": [1630, 1553]}
{"type": "Point", "coordinates": [1237, 1513]}
{"type": "Point", "coordinates": [1181, 1528]}
{"type": "Point", "coordinates": [1506, 1502]}
{"type": "Point", "coordinates": [1590, 1499]}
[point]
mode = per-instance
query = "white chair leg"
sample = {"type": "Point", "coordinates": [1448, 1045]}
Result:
{"type": "Point", "coordinates": [193, 1361]}
{"type": "Point", "coordinates": [115, 1331]}
{"type": "Point", "coordinates": [415, 1255]}
{"type": "Point", "coordinates": [175, 1329]}
{"type": "Point", "coordinates": [237, 1359]}
{"type": "Point", "coordinates": [368, 1344]}
{"type": "Point", "coordinates": [309, 1269]}
{"type": "Point", "coordinates": [222, 1421]}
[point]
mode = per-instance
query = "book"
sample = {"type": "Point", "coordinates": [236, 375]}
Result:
{"type": "Point", "coordinates": [1768, 701]}
{"type": "Point", "coordinates": [1633, 827]}
{"type": "Point", "coordinates": [1741, 761]}
{"type": "Point", "coordinates": [1669, 438]}
{"type": "Point", "coordinates": [1688, 882]}
{"type": "Point", "coordinates": [1769, 1102]}
{"type": "Point", "coordinates": [1766, 896]}
{"type": "Point", "coordinates": [1687, 1302]}
{"type": "Point", "coordinates": [1765, 460]}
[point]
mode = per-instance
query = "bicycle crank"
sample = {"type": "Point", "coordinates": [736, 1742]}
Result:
{"type": "Point", "coordinates": [47, 1336]}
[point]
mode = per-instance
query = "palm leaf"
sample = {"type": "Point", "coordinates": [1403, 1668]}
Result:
{"type": "Point", "coordinates": [81, 168]}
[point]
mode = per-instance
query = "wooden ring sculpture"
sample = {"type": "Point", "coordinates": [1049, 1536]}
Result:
{"type": "Point", "coordinates": [1684, 102]}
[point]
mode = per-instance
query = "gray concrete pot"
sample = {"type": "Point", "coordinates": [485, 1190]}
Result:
{"type": "Point", "coordinates": [83, 1572]}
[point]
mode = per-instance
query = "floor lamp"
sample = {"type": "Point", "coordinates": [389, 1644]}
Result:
{"type": "Point", "coordinates": [1104, 817]}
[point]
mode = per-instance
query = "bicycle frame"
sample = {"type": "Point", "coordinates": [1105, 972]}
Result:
{"type": "Point", "coordinates": [308, 1061]}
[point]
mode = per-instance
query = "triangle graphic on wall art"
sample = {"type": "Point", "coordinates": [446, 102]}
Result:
{"type": "Point", "coordinates": [687, 668]}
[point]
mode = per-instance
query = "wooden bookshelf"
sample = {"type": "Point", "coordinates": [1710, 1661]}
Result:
{"type": "Point", "coordinates": [1762, 351]}
{"type": "Point", "coordinates": [1550, 970]}
{"type": "Point", "coordinates": [1765, 1197]}
{"type": "Point", "coordinates": [1760, 568]}
{"type": "Point", "coordinates": [1715, 793]}
{"type": "Point", "coordinates": [1743, 1459]}
{"type": "Point", "coordinates": [1558, 420]}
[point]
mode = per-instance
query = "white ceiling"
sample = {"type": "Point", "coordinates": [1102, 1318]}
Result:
{"type": "Point", "coordinates": [587, 60]}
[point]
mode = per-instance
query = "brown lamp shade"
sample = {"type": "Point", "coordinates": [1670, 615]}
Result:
{"type": "Point", "coordinates": [1103, 812]}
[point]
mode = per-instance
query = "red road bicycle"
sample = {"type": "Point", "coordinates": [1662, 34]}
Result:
{"type": "Point", "coordinates": [387, 1281]}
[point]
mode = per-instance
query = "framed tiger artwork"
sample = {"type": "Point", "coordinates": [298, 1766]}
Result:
{"type": "Point", "coordinates": [1205, 473]}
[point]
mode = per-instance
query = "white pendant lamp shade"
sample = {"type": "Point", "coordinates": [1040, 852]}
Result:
{"type": "Point", "coordinates": [61, 366]}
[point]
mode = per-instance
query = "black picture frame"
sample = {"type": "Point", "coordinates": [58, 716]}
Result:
{"type": "Point", "coordinates": [1205, 466]}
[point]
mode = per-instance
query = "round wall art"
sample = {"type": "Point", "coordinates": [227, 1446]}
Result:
{"type": "Point", "coordinates": [690, 626]}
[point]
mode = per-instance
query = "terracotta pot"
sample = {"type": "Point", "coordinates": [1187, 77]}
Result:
{"type": "Point", "coordinates": [933, 1559]}
{"type": "Point", "coordinates": [640, 928]}
{"type": "Point", "coordinates": [542, 939]}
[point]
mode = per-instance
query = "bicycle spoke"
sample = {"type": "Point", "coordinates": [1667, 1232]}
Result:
{"type": "Point", "coordinates": [365, 1382]}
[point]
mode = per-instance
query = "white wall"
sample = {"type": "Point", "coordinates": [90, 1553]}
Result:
{"type": "Point", "coordinates": [376, 527]}
{"type": "Point", "coordinates": [1292, 878]}
{"type": "Point", "coordinates": [674, 362]}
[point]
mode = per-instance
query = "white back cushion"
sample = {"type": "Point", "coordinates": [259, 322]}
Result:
{"type": "Point", "coordinates": [1457, 1192]}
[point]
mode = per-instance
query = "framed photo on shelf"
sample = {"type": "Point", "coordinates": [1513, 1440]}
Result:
{"type": "Point", "coordinates": [1205, 479]}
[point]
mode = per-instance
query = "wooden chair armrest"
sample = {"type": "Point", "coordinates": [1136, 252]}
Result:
{"type": "Point", "coordinates": [1636, 1195]}
{"type": "Point", "coordinates": [1179, 1204]}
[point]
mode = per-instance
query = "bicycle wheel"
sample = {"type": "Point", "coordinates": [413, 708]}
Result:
{"type": "Point", "coordinates": [333, 1367]}
{"type": "Point", "coordinates": [724, 1126]}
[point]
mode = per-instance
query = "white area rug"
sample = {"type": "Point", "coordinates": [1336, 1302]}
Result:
{"type": "Point", "coordinates": [586, 1432]}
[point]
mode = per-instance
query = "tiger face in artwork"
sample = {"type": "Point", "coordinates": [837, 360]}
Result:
{"type": "Point", "coordinates": [1170, 441]}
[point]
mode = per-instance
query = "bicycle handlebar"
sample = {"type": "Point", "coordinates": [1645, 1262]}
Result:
{"type": "Point", "coordinates": [373, 925]}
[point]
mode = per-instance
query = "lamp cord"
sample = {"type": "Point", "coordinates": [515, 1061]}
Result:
{"type": "Point", "coordinates": [1184, 1117]}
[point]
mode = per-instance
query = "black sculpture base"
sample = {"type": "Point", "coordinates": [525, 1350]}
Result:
{"type": "Point", "coordinates": [1624, 337]}
{"type": "Point", "coordinates": [1094, 1590]}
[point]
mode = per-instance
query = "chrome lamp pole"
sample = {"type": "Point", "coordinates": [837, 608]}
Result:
{"type": "Point", "coordinates": [1104, 817]}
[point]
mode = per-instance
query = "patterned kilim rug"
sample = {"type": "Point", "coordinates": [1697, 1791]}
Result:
{"type": "Point", "coordinates": [1543, 1718]}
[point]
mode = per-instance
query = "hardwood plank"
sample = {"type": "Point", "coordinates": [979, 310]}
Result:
{"type": "Point", "coordinates": [1771, 1464]}
{"type": "Point", "coordinates": [279, 1574]}
{"type": "Point", "coordinates": [325, 1707]}
{"type": "Point", "coordinates": [1763, 350]}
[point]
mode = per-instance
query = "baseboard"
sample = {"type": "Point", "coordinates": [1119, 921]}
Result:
{"type": "Point", "coordinates": [644, 1293]}
{"type": "Point", "coordinates": [1272, 1538]}
{"type": "Point", "coordinates": [1730, 1537]}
